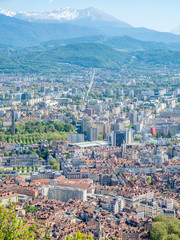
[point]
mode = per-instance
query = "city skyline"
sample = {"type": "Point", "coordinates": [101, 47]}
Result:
{"type": "Point", "coordinates": [161, 15]}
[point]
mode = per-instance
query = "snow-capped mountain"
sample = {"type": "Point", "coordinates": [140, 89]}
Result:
{"type": "Point", "coordinates": [28, 29]}
{"type": "Point", "coordinates": [7, 12]}
{"type": "Point", "coordinates": [78, 16]}
{"type": "Point", "coordinates": [62, 15]}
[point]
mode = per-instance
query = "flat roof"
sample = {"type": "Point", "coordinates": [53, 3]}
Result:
{"type": "Point", "coordinates": [91, 144]}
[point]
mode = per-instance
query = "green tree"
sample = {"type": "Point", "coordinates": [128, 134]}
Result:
{"type": "Point", "coordinates": [6, 154]}
{"type": "Point", "coordinates": [54, 164]}
{"type": "Point", "coordinates": [14, 228]}
{"type": "Point", "coordinates": [149, 180]}
{"type": "Point", "coordinates": [68, 113]}
{"type": "Point", "coordinates": [158, 231]}
{"type": "Point", "coordinates": [5, 176]}
{"type": "Point", "coordinates": [79, 236]}
{"type": "Point", "coordinates": [160, 218]}
{"type": "Point", "coordinates": [138, 138]}
{"type": "Point", "coordinates": [165, 228]}
{"type": "Point", "coordinates": [53, 161]}
{"type": "Point", "coordinates": [100, 137]}
{"type": "Point", "coordinates": [169, 135]}
{"type": "Point", "coordinates": [172, 237]}
{"type": "Point", "coordinates": [31, 209]}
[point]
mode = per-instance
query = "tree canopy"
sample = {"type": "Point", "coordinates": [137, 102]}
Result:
{"type": "Point", "coordinates": [32, 131]}
{"type": "Point", "coordinates": [165, 228]}
{"type": "Point", "coordinates": [54, 164]}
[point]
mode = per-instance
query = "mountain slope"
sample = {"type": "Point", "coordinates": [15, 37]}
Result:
{"type": "Point", "coordinates": [142, 34]}
{"type": "Point", "coordinates": [124, 43]}
{"type": "Point", "coordinates": [85, 54]}
{"type": "Point", "coordinates": [92, 17]}
{"type": "Point", "coordinates": [50, 60]}
{"type": "Point", "coordinates": [16, 32]}
{"type": "Point", "coordinates": [69, 23]}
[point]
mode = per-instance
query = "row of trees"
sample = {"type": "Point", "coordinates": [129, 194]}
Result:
{"type": "Point", "coordinates": [168, 135]}
{"type": "Point", "coordinates": [28, 169]}
{"type": "Point", "coordinates": [43, 153]}
{"type": "Point", "coordinates": [28, 139]}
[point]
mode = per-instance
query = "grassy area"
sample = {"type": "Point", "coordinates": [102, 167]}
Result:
{"type": "Point", "coordinates": [24, 174]}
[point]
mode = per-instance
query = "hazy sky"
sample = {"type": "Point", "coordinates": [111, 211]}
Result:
{"type": "Point", "coordinates": [162, 15]}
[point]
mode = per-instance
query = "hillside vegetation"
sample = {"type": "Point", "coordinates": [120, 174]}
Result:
{"type": "Point", "coordinates": [49, 60]}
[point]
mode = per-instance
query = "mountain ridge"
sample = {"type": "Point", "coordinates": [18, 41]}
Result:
{"type": "Point", "coordinates": [65, 15]}
{"type": "Point", "coordinates": [124, 43]}
{"type": "Point", "coordinates": [22, 33]}
{"type": "Point", "coordinates": [88, 55]}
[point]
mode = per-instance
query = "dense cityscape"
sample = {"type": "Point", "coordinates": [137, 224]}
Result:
{"type": "Point", "coordinates": [96, 151]}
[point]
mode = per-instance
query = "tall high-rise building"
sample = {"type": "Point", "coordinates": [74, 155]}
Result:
{"type": "Point", "coordinates": [13, 122]}
{"type": "Point", "coordinates": [117, 138]}
{"type": "Point", "coordinates": [133, 116]}
{"type": "Point", "coordinates": [73, 90]}
{"type": "Point", "coordinates": [18, 88]}
{"type": "Point", "coordinates": [92, 133]}
{"type": "Point", "coordinates": [42, 89]}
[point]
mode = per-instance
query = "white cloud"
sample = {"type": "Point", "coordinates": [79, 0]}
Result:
{"type": "Point", "coordinates": [50, 1]}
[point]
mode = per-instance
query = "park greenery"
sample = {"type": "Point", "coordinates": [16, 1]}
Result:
{"type": "Point", "coordinates": [165, 228]}
{"type": "Point", "coordinates": [32, 131]}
